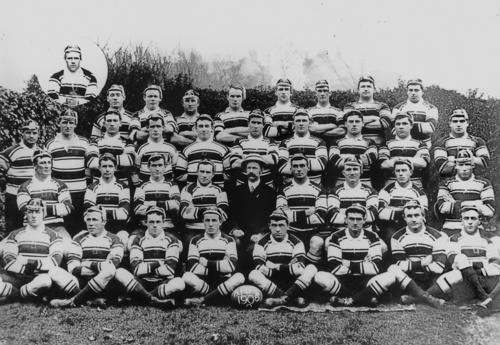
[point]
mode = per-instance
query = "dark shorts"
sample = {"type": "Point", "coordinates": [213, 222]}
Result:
{"type": "Point", "coordinates": [16, 279]}
{"type": "Point", "coordinates": [352, 284]}
{"type": "Point", "coordinates": [150, 285]}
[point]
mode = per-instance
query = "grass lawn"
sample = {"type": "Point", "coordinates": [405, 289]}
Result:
{"type": "Point", "coordinates": [38, 324]}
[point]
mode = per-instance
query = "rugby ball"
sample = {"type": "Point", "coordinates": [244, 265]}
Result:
{"type": "Point", "coordinates": [247, 297]}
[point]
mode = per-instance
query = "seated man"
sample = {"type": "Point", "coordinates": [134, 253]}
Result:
{"type": "Point", "coordinates": [96, 255]}
{"type": "Point", "coordinates": [211, 262]}
{"type": "Point", "coordinates": [154, 258]}
{"type": "Point", "coordinates": [473, 258]}
{"type": "Point", "coordinates": [280, 270]}
{"type": "Point", "coordinates": [32, 256]}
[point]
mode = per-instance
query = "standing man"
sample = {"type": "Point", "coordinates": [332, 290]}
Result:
{"type": "Point", "coordinates": [186, 122]}
{"type": "Point", "coordinates": [305, 204]}
{"type": "Point", "coordinates": [279, 265]}
{"type": "Point", "coordinates": [153, 95]}
{"type": "Point", "coordinates": [74, 84]}
{"type": "Point", "coordinates": [324, 116]}
{"type": "Point", "coordinates": [212, 260]}
{"type": "Point", "coordinates": [232, 124]}
{"type": "Point", "coordinates": [279, 117]}
{"type": "Point", "coordinates": [425, 115]}
{"type": "Point", "coordinates": [447, 148]}
{"type": "Point", "coordinates": [465, 189]}
{"type": "Point", "coordinates": [115, 98]}
{"type": "Point", "coordinates": [302, 142]}
{"type": "Point", "coordinates": [54, 193]}
{"type": "Point", "coordinates": [16, 167]}
{"type": "Point", "coordinates": [203, 148]}
{"type": "Point", "coordinates": [32, 256]}
{"type": "Point", "coordinates": [255, 144]}
{"type": "Point", "coordinates": [69, 153]}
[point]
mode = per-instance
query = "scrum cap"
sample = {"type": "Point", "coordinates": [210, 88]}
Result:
{"type": "Point", "coordinates": [191, 94]}
{"type": "Point", "coordinates": [416, 81]}
{"type": "Point", "coordinates": [412, 204]}
{"type": "Point", "coordinates": [284, 82]}
{"type": "Point", "coordinates": [300, 112]}
{"type": "Point", "coordinates": [157, 210]}
{"type": "Point", "coordinates": [155, 88]}
{"type": "Point", "coordinates": [356, 208]}
{"type": "Point", "coordinates": [118, 88]}
{"type": "Point", "coordinates": [39, 153]}
{"type": "Point", "coordinates": [464, 156]}
{"type": "Point", "coordinates": [353, 161]}
{"type": "Point", "coordinates": [405, 161]}
{"type": "Point", "coordinates": [212, 210]}
{"type": "Point", "coordinates": [95, 209]}
{"type": "Point", "coordinates": [278, 215]}
{"type": "Point", "coordinates": [107, 157]}
{"type": "Point", "coordinates": [72, 48]}
{"type": "Point", "coordinates": [321, 84]}
{"type": "Point", "coordinates": [69, 115]}
{"type": "Point", "coordinates": [256, 113]}
{"type": "Point", "coordinates": [30, 125]}
{"type": "Point", "coordinates": [459, 113]}
{"type": "Point", "coordinates": [466, 208]}
{"type": "Point", "coordinates": [367, 78]}
{"type": "Point", "coordinates": [35, 204]}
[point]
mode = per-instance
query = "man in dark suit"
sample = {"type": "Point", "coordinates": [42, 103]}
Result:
{"type": "Point", "coordinates": [251, 204]}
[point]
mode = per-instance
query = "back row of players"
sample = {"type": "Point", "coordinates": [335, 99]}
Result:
{"type": "Point", "coordinates": [350, 155]}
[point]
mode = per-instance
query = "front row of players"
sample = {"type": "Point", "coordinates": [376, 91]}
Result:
{"type": "Point", "coordinates": [354, 274]}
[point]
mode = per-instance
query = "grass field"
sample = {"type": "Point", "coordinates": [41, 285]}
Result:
{"type": "Point", "coordinates": [38, 324]}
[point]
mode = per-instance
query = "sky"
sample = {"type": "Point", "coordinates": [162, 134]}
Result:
{"type": "Point", "coordinates": [454, 44]}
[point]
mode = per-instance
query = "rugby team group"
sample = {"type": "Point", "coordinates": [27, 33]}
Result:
{"type": "Point", "coordinates": [181, 210]}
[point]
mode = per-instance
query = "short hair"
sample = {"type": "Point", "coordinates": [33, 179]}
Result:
{"type": "Point", "coordinates": [284, 82]}
{"type": "Point", "coordinates": [297, 157]}
{"type": "Point", "coordinates": [68, 114]}
{"type": "Point", "coordinates": [411, 204]}
{"type": "Point", "coordinates": [353, 112]}
{"type": "Point", "coordinates": [40, 153]}
{"type": "Point", "coordinates": [278, 215]}
{"type": "Point", "coordinates": [107, 157]}
{"type": "Point", "coordinates": [157, 157]}
{"type": "Point", "coordinates": [155, 210]}
{"type": "Point", "coordinates": [402, 115]}
{"type": "Point", "coordinates": [467, 208]}
{"type": "Point", "coordinates": [112, 112]}
{"type": "Point", "coordinates": [156, 117]}
{"type": "Point", "coordinates": [117, 87]}
{"type": "Point", "coordinates": [256, 113]}
{"type": "Point", "coordinates": [72, 48]}
{"type": "Point", "coordinates": [320, 84]}
{"type": "Point", "coordinates": [206, 162]}
{"type": "Point", "coordinates": [204, 117]}
{"type": "Point", "coordinates": [366, 78]}
{"type": "Point", "coordinates": [403, 161]}
{"type": "Point", "coordinates": [155, 88]}
{"type": "Point", "coordinates": [30, 125]}
{"type": "Point", "coordinates": [416, 81]}
{"type": "Point", "coordinates": [238, 87]}
{"type": "Point", "coordinates": [300, 112]}
{"type": "Point", "coordinates": [212, 210]}
{"type": "Point", "coordinates": [95, 209]}
{"type": "Point", "coordinates": [459, 113]}
{"type": "Point", "coordinates": [356, 208]}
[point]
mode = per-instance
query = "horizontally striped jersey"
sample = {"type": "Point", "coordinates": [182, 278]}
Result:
{"type": "Point", "coordinates": [17, 166]}
{"type": "Point", "coordinates": [393, 197]}
{"type": "Point", "coordinates": [54, 193]}
{"type": "Point", "coordinates": [344, 196]}
{"type": "Point", "coordinates": [279, 112]}
{"type": "Point", "coordinates": [195, 199]}
{"type": "Point", "coordinates": [113, 197]}
{"type": "Point", "coordinates": [300, 197]}
{"type": "Point", "coordinates": [98, 128]}
{"type": "Point", "coordinates": [122, 150]}
{"type": "Point", "coordinates": [230, 119]}
{"type": "Point", "coordinates": [450, 146]}
{"type": "Point", "coordinates": [357, 256]}
{"type": "Point", "coordinates": [259, 146]}
{"type": "Point", "coordinates": [151, 148]}
{"type": "Point", "coordinates": [454, 192]}
{"type": "Point", "coordinates": [425, 119]}
{"type": "Point", "coordinates": [80, 84]}
{"type": "Point", "coordinates": [41, 248]}
{"type": "Point", "coordinates": [89, 251]}
{"type": "Point", "coordinates": [326, 115]}
{"type": "Point", "coordinates": [140, 120]}
{"type": "Point", "coordinates": [409, 248]}
{"type": "Point", "coordinates": [187, 164]}
{"type": "Point", "coordinates": [363, 148]}
{"type": "Point", "coordinates": [406, 148]}
{"type": "Point", "coordinates": [312, 147]}
{"type": "Point", "coordinates": [69, 161]}
{"type": "Point", "coordinates": [220, 252]}
{"type": "Point", "coordinates": [155, 258]}
{"type": "Point", "coordinates": [288, 253]}
{"type": "Point", "coordinates": [373, 111]}
{"type": "Point", "coordinates": [163, 194]}
{"type": "Point", "coordinates": [186, 123]}
{"type": "Point", "coordinates": [477, 248]}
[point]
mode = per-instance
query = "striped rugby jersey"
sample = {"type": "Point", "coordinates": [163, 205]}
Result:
{"type": "Point", "coordinates": [150, 148]}
{"type": "Point", "coordinates": [478, 249]}
{"type": "Point", "coordinates": [53, 192]}
{"type": "Point", "coordinates": [41, 247]}
{"type": "Point", "coordinates": [218, 154]}
{"type": "Point", "coordinates": [285, 252]}
{"type": "Point", "coordinates": [140, 120]}
{"type": "Point", "coordinates": [122, 150]}
{"type": "Point", "coordinates": [80, 84]}
{"type": "Point", "coordinates": [90, 250]}
{"type": "Point", "coordinates": [312, 147]}
{"type": "Point", "coordinates": [298, 198]}
{"type": "Point", "coordinates": [113, 197]}
{"type": "Point", "coordinates": [220, 252]}
{"type": "Point", "coordinates": [17, 166]}
{"type": "Point", "coordinates": [186, 122]}
{"type": "Point", "coordinates": [405, 148]}
{"type": "Point", "coordinates": [372, 110]}
{"type": "Point", "coordinates": [360, 147]}
{"type": "Point", "coordinates": [364, 253]}
{"type": "Point", "coordinates": [260, 146]}
{"type": "Point", "coordinates": [326, 115]}
{"type": "Point", "coordinates": [163, 194]}
{"type": "Point", "coordinates": [449, 146]}
{"type": "Point", "coordinates": [69, 158]}
{"type": "Point", "coordinates": [155, 258]}
{"type": "Point", "coordinates": [98, 129]}
{"type": "Point", "coordinates": [409, 248]}
{"type": "Point", "coordinates": [393, 197]}
{"type": "Point", "coordinates": [195, 198]}
{"type": "Point", "coordinates": [344, 196]}
{"type": "Point", "coordinates": [425, 118]}
{"type": "Point", "coordinates": [454, 191]}
{"type": "Point", "coordinates": [279, 112]}
{"type": "Point", "coordinates": [230, 119]}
